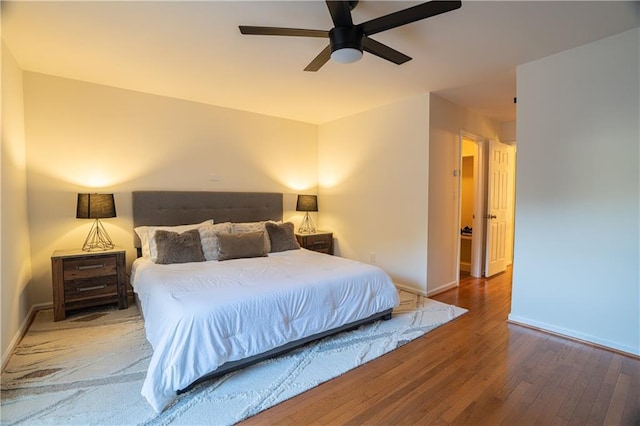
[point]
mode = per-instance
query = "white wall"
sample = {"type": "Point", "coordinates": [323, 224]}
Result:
{"type": "Point", "coordinates": [15, 263]}
{"type": "Point", "coordinates": [372, 174]}
{"type": "Point", "coordinates": [446, 121]}
{"type": "Point", "coordinates": [576, 264]}
{"type": "Point", "coordinates": [508, 133]}
{"type": "Point", "coordinates": [85, 137]}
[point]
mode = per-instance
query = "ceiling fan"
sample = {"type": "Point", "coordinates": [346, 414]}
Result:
{"type": "Point", "coordinates": [347, 41]}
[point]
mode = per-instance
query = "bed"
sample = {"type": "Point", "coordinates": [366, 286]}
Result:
{"type": "Point", "coordinates": [208, 317]}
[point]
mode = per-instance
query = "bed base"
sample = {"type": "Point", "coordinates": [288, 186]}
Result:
{"type": "Point", "coordinates": [228, 367]}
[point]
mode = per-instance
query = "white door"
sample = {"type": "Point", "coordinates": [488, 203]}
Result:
{"type": "Point", "coordinates": [500, 158]}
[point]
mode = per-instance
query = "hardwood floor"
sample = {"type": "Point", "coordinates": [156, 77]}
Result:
{"type": "Point", "coordinates": [477, 369]}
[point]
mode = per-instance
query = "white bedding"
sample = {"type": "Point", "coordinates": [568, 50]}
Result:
{"type": "Point", "coordinates": [200, 315]}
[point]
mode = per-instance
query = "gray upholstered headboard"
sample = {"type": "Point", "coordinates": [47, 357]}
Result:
{"type": "Point", "coordinates": [168, 208]}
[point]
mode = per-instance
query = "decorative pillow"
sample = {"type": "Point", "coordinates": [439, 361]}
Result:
{"type": "Point", "coordinates": [242, 227]}
{"type": "Point", "coordinates": [148, 243]}
{"type": "Point", "coordinates": [178, 248]}
{"type": "Point", "coordinates": [236, 246]}
{"type": "Point", "coordinates": [209, 239]}
{"type": "Point", "coordinates": [281, 237]}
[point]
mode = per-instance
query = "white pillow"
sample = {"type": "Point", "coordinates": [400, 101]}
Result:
{"type": "Point", "coordinates": [244, 227]}
{"type": "Point", "coordinates": [147, 234]}
{"type": "Point", "coordinates": [209, 239]}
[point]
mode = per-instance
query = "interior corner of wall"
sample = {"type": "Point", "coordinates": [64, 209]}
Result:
{"type": "Point", "coordinates": [410, 288]}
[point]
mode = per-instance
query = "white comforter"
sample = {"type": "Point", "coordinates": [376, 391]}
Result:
{"type": "Point", "coordinates": [200, 315]}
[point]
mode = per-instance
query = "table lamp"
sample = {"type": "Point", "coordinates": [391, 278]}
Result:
{"type": "Point", "coordinates": [307, 203]}
{"type": "Point", "coordinates": [96, 206]}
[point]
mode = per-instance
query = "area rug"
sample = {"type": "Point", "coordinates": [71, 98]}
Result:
{"type": "Point", "coordinates": [89, 369]}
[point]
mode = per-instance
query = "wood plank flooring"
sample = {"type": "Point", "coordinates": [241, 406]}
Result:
{"type": "Point", "coordinates": [476, 370]}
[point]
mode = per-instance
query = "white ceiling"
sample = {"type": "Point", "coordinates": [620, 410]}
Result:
{"type": "Point", "coordinates": [194, 50]}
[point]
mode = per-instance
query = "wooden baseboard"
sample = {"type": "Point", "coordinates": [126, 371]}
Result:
{"type": "Point", "coordinates": [434, 292]}
{"type": "Point", "coordinates": [410, 289]}
{"type": "Point", "coordinates": [575, 339]}
{"type": "Point", "coordinates": [22, 330]}
{"type": "Point", "coordinates": [442, 289]}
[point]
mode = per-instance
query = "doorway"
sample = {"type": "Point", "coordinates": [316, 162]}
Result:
{"type": "Point", "coordinates": [471, 205]}
{"type": "Point", "coordinates": [476, 248]}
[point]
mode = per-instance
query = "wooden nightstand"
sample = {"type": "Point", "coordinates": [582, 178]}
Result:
{"type": "Point", "coordinates": [320, 241]}
{"type": "Point", "coordinates": [82, 279]}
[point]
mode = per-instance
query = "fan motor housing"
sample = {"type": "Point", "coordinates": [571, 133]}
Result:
{"type": "Point", "coordinates": [345, 38]}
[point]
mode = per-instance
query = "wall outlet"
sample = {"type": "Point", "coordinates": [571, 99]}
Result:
{"type": "Point", "coordinates": [372, 257]}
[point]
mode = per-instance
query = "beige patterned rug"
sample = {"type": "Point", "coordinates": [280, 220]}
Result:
{"type": "Point", "coordinates": [89, 369]}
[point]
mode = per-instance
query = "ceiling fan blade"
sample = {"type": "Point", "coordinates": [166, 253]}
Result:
{"type": "Point", "coordinates": [275, 31]}
{"type": "Point", "coordinates": [340, 13]}
{"type": "Point", "coordinates": [383, 51]}
{"type": "Point", "coordinates": [320, 60]}
{"type": "Point", "coordinates": [407, 16]}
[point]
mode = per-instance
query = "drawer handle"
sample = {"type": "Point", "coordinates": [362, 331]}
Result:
{"type": "Point", "coordinates": [82, 268]}
{"type": "Point", "coordinates": [95, 287]}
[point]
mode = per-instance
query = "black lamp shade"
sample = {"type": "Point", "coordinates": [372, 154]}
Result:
{"type": "Point", "coordinates": [95, 206]}
{"type": "Point", "coordinates": [307, 203]}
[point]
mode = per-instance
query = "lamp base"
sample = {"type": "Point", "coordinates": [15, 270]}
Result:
{"type": "Point", "coordinates": [307, 226]}
{"type": "Point", "coordinates": [98, 239]}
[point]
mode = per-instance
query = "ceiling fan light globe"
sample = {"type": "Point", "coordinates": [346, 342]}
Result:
{"type": "Point", "coordinates": [346, 55]}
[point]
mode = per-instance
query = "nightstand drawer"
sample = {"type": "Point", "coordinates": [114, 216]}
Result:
{"type": "Point", "coordinates": [317, 244]}
{"type": "Point", "coordinates": [90, 267]}
{"type": "Point", "coordinates": [81, 289]}
{"type": "Point", "coordinates": [321, 242]}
